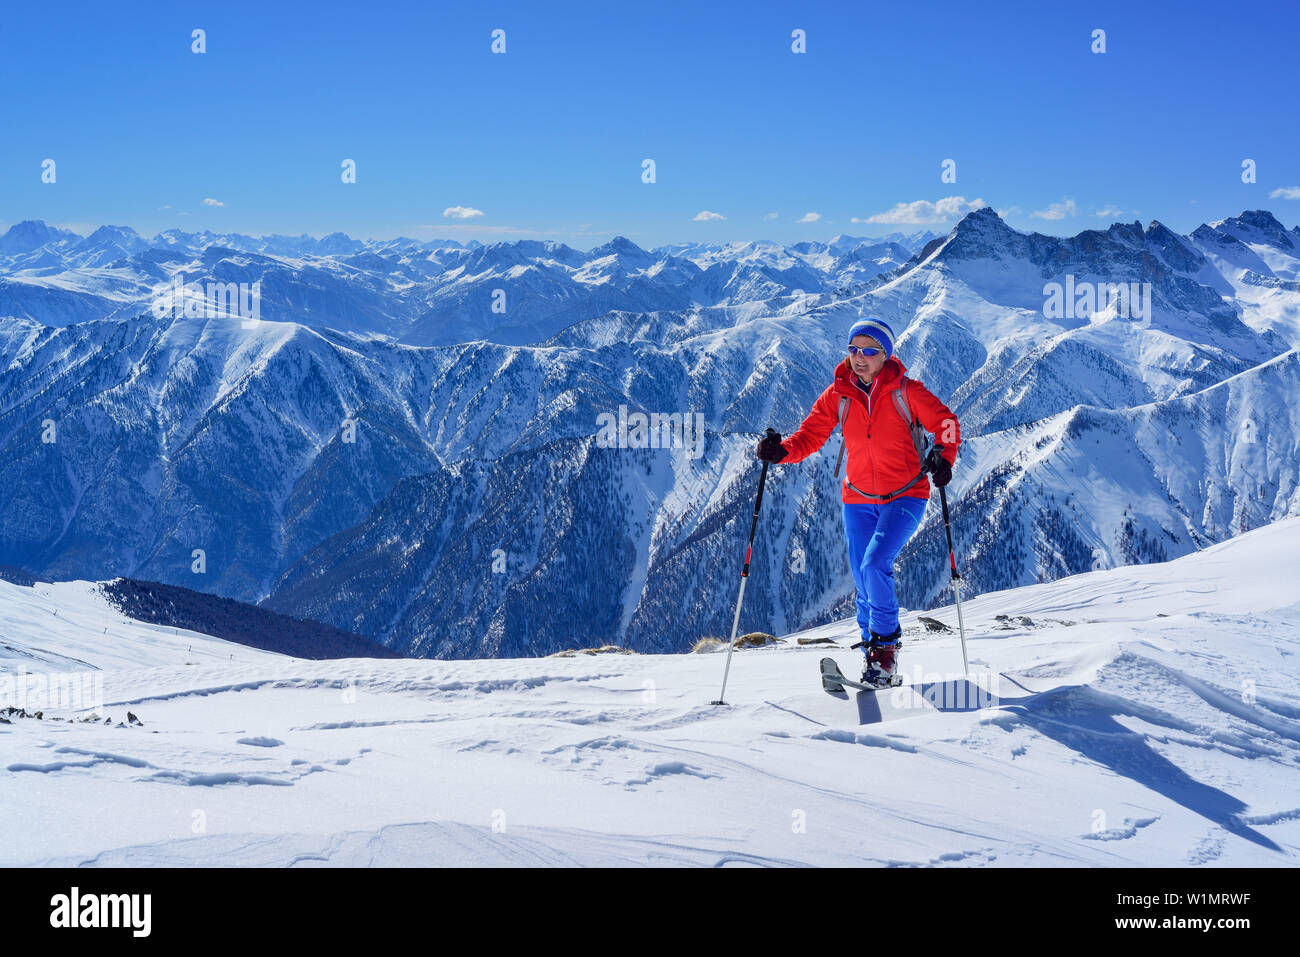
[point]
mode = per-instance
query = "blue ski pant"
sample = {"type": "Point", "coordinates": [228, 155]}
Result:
{"type": "Point", "coordinates": [876, 534]}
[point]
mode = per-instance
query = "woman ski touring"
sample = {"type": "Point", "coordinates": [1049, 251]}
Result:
{"type": "Point", "coordinates": [886, 488]}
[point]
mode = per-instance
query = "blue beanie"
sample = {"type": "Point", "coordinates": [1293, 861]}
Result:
{"type": "Point", "coordinates": [876, 329]}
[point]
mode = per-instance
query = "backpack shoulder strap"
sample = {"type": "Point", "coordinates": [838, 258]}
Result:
{"type": "Point", "coordinates": [844, 409]}
{"type": "Point", "coordinates": [913, 424]}
{"type": "Point", "coordinates": [900, 401]}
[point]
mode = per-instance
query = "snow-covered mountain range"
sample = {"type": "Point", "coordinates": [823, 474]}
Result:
{"type": "Point", "coordinates": [424, 293]}
{"type": "Point", "coordinates": [456, 499]}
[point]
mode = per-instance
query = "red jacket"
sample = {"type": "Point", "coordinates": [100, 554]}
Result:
{"type": "Point", "coordinates": [881, 456]}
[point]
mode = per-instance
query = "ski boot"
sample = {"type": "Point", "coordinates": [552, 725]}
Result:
{"type": "Point", "coordinates": [881, 667]}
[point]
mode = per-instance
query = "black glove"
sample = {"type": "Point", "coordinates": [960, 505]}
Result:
{"type": "Point", "coordinates": [770, 448]}
{"type": "Point", "coordinates": [938, 467]}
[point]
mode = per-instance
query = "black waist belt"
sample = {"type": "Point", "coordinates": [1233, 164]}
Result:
{"type": "Point", "coordinates": [888, 495]}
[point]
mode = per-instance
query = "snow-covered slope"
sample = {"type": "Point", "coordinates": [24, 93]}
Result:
{"type": "Point", "coordinates": [70, 626]}
{"type": "Point", "coordinates": [1142, 716]}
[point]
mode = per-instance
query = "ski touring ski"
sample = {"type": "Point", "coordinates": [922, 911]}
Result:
{"type": "Point", "coordinates": [833, 680]}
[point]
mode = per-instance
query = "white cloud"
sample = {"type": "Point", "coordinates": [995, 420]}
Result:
{"type": "Point", "coordinates": [1285, 192]}
{"type": "Point", "coordinates": [923, 212]}
{"type": "Point", "coordinates": [769, 215]}
{"type": "Point", "coordinates": [1109, 211]}
{"type": "Point", "coordinates": [810, 217]}
{"type": "Point", "coordinates": [213, 202]}
{"type": "Point", "coordinates": [461, 212]}
{"type": "Point", "coordinates": [705, 216]}
{"type": "Point", "coordinates": [1057, 210]}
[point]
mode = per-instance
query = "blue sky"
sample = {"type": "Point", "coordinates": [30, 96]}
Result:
{"type": "Point", "coordinates": [547, 140]}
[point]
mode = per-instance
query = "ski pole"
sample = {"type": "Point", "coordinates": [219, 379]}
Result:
{"type": "Point", "coordinates": [956, 578]}
{"type": "Point", "coordinates": [744, 576]}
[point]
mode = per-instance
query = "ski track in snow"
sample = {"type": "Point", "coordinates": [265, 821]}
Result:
{"type": "Point", "coordinates": [1135, 734]}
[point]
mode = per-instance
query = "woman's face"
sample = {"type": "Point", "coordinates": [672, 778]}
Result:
{"type": "Point", "coordinates": [866, 367]}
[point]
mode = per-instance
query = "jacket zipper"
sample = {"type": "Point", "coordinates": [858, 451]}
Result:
{"type": "Point", "coordinates": [874, 480]}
